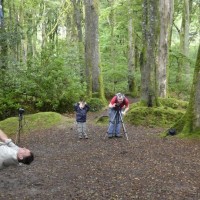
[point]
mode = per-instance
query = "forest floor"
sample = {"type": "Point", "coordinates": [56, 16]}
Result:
{"type": "Point", "coordinates": [66, 168]}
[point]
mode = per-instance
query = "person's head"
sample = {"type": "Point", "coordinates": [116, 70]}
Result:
{"type": "Point", "coordinates": [81, 98]}
{"type": "Point", "coordinates": [120, 97]}
{"type": "Point", "coordinates": [25, 156]}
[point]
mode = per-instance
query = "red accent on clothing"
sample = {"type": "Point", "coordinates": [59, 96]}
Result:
{"type": "Point", "coordinates": [125, 102]}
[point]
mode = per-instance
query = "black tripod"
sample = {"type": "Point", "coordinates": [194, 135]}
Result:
{"type": "Point", "coordinates": [21, 119]}
{"type": "Point", "coordinates": [117, 118]}
{"type": "Point", "coordinates": [20, 128]}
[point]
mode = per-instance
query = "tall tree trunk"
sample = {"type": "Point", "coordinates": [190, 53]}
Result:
{"type": "Point", "coordinates": [184, 38]}
{"type": "Point", "coordinates": [78, 18]}
{"type": "Point", "coordinates": [43, 26]}
{"type": "Point", "coordinates": [171, 23]}
{"type": "Point", "coordinates": [1, 13]}
{"type": "Point", "coordinates": [22, 48]}
{"type": "Point", "coordinates": [165, 14]}
{"type": "Point", "coordinates": [131, 54]}
{"type": "Point", "coordinates": [190, 122]}
{"type": "Point", "coordinates": [29, 48]}
{"type": "Point", "coordinates": [112, 43]}
{"type": "Point", "coordinates": [196, 85]}
{"type": "Point", "coordinates": [93, 70]}
{"type": "Point", "coordinates": [148, 71]}
{"type": "Point", "coordinates": [3, 42]}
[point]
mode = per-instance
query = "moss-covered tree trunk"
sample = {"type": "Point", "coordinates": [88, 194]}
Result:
{"type": "Point", "coordinates": [190, 122]}
{"type": "Point", "coordinates": [111, 20]}
{"type": "Point", "coordinates": [131, 53]}
{"type": "Point", "coordinates": [92, 58]}
{"type": "Point", "coordinates": [183, 64]}
{"type": "Point", "coordinates": [78, 20]}
{"type": "Point", "coordinates": [148, 70]}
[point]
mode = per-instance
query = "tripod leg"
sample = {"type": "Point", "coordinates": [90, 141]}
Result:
{"type": "Point", "coordinates": [125, 133]}
{"type": "Point", "coordinates": [25, 123]}
{"type": "Point", "coordinates": [19, 132]}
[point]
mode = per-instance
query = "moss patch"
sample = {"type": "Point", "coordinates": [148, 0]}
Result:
{"type": "Point", "coordinates": [102, 120]}
{"type": "Point", "coordinates": [38, 121]}
{"type": "Point", "coordinates": [173, 103]}
{"type": "Point", "coordinates": [193, 135]}
{"type": "Point", "coordinates": [153, 117]}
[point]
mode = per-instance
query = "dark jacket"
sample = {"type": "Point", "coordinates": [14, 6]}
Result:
{"type": "Point", "coordinates": [81, 114]}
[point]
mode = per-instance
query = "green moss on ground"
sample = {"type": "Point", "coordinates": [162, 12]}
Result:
{"type": "Point", "coordinates": [173, 103]}
{"type": "Point", "coordinates": [193, 135]}
{"type": "Point", "coordinates": [164, 116]}
{"type": "Point", "coordinates": [33, 122]}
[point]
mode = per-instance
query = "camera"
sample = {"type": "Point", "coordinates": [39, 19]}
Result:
{"type": "Point", "coordinates": [117, 105]}
{"type": "Point", "coordinates": [21, 111]}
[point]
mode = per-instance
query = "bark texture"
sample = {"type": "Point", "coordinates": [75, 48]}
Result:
{"type": "Point", "coordinates": [92, 45]}
{"type": "Point", "coordinates": [190, 123]}
{"type": "Point", "coordinates": [131, 53]}
{"type": "Point", "coordinates": [148, 71]}
{"type": "Point", "coordinates": [165, 19]}
{"type": "Point", "coordinates": [197, 93]}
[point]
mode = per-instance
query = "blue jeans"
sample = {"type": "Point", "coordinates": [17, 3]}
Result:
{"type": "Point", "coordinates": [114, 122]}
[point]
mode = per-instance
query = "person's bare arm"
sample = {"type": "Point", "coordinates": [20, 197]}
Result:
{"type": "Point", "coordinates": [126, 109]}
{"type": "Point", "coordinates": [8, 141]}
{"type": "Point", "coordinates": [3, 136]}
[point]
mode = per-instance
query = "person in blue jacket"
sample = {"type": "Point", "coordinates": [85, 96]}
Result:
{"type": "Point", "coordinates": [81, 109]}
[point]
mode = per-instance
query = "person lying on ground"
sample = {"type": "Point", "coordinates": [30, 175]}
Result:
{"type": "Point", "coordinates": [11, 154]}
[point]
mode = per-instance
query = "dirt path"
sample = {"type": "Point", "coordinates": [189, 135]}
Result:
{"type": "Point", "coordinates": [66, 168]}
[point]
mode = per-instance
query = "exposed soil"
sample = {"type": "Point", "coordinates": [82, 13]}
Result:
{"type": "Point", "coordinates": [67, 168]}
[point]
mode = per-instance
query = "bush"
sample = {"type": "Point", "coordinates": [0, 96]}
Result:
{"type": "Point", "coordinates": [8, 108]}
{"type": "Point", "coordinates": [95, 104]}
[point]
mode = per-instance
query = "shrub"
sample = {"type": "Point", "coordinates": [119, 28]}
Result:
{"type": "Point", "coordinates": [95, 104]}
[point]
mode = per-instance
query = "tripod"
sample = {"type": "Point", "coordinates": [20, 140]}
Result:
{"type": "Point", "coordinates": [21, 118]}
{"type": "Point", "coordinates": [117, 118]}
{"type": "Point", "coordinates": [20, 129]}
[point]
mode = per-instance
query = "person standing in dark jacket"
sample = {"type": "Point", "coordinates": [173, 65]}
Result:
{"type": "Point", "coordinates": [81, 109]}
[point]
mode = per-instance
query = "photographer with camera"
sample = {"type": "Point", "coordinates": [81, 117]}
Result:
{"type": "Point", "coordinates": [118, 107]}
{"type": "Point", "coordinates": [11, 154]}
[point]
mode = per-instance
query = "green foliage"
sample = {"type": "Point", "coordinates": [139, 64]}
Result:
{"type": "Point", "coordinates": [52, 83]}
{"type": "Point", "coordinates": [178, 83]}
{"type": "Point", "coordinates": [50, 78]}
{"type": "Point", "coordinates": [95, 104]}
{"type": "Point", "coordinates": [114, 69]}
{"type": "Point", "coordinates": [8, 107]}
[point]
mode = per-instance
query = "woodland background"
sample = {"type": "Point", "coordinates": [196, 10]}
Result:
{"type": "Point", "coordinates": [53, 52]}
